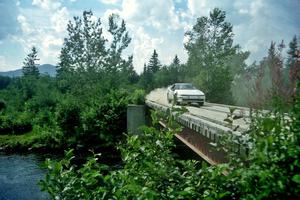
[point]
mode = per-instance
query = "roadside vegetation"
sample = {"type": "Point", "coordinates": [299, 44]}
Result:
{"type": "Point", "coordinates": [83, 109]}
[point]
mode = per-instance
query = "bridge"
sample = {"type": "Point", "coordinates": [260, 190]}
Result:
{"type": "Point", "coordinates": [204, 126]}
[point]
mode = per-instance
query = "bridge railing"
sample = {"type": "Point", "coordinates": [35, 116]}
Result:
{"type": "Point", "coordinates": [204, 135]}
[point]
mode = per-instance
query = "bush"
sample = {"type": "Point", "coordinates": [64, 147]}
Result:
{"type": "Point", "coordinates": [138, 97]}
{"type": "Point", "coordinates": [150, 171]}
{"type": "Point", "coordinates": [68, 117]}
{"type": "Point", "coordinates": [2, 105]}
{"type": "Point", "coordinates": [4, 82]}
{"type": "Point", "coordinates": [105, 121]}
{"type": "Point", "coordinates": [16, 123]}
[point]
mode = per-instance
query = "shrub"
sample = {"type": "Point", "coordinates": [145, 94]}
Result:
{"type": "Point", "coordinates": [150, 171]}
{"type": "Point", "coordinates": [16, 123]}
{"type": "Point", "coordinates": [138, 97]}
{"type": "Point", "coordinates": [105, 121]}
{"type": "Point", "coordinates": [68, 117]}
{"type": "Point", "coordinates": [2, 105]}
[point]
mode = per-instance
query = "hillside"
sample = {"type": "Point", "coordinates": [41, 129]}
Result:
{"type": "Point", "coordinates": [44, 69]}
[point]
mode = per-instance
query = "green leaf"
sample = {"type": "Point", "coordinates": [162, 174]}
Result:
{"type": "Point", "coordinates": [296, 178]}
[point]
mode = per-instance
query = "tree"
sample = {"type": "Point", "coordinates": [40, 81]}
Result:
{"type": "Point", "coordinates": [84, 48]}
{"type": "Point", "coordinates": [209, 48]}
{"type": "Point", "coordinates": [269, 83]}
{"type": "Point", "coordinates": [170, 74]}
{"type": "Point", "coordinates": [30, 66]}
{"type": "Point", "coordinates": [293, 64]}
{"type": "Point", "coordinates": [87, 58]}
{"type": "Point", "coordinates": [176, 61]}
{"type": "Point", "coordinates": [154, 63]}
{"type": "Point", "coordinates": [292, 52]}
{"type": "Point", "coordinates": [146, 79]}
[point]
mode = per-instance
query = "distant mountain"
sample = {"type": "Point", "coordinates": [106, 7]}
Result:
{"type": "Point", "coordinates": [44, 69]}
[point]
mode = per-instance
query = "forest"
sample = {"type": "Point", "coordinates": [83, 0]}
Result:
{"type": "Point", "coordinates": [72, 113]}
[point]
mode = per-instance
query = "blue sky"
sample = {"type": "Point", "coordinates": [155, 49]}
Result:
{"type": "Point", "coordinates": [153, 24]}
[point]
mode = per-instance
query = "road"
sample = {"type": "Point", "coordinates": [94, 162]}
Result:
{"type": "Point", "coordinates": [209, 111]}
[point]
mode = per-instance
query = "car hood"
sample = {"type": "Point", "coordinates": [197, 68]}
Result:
{"type": "Point", "coordinates": [189, 92]}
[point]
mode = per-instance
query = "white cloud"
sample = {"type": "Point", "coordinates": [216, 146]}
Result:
{"type": "Point", "coordinates": [156, 13]}
{"type": "Point", "coordinates": [143, 48]}
{"type": "Point", "coordinates": [142, 16]}
{"type": "Point", "coordinates": [197, 7]}
{"type": "Point", "coordinates": [109, 1]}
{"type": "Point", "coordinates": [51, 41]}
{"type": "Point", "coordinates": [45, 29]}
{"type": "Point", "coordinates": [60, 20]}
{"type": "Point", "coordinates": [47, 4]}
{"type": "Point", "coordinates": [156, 24]}
{"type": "Point", "coordinates": [24, 24]}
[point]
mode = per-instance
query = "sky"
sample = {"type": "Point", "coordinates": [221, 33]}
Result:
{"type": "Point", "coordinates": [152, 24]}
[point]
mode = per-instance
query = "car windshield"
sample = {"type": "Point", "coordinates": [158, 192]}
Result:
{"type": "Point", "coordinates": [185, 87]}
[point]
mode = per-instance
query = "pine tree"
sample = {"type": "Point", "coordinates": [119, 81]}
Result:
{"type": "Point", "coordinates": [292, 52]}
{"type": "Point", "coordinates": [154, 63]}
{"type": "Point", "coordinates": [293, 64]}
{"type": "Point", "coordinates": [176, 61]}
{"type": "Point", "coordinates": [146, 80]}
{"type": "Point", "coordinates": [30, 67]}
{"type": "Point", "coordinates": [174, 71]}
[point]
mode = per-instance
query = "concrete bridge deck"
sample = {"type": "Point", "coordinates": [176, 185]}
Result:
{"type": "Point", "coordinates": [212, 112]}
{"type": "Point", "coordinates": [204, 125]}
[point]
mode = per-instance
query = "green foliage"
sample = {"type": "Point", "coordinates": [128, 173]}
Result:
{"type": "Point", "coordinates": [68, 117]}
{"type": "Point", "coordinates": [149, 172]}
{"type": "Point", "coordinates": [292, 53]}
{"type": "Point", "coordinates": [210, 49]}
{"type": "Point", "coordinates": [85, 108]}
{"type": "Point", "coordinates": [154, 63]}
{"type": "Point", "coordinates": [147, 80]}
{"type": "Point", "coordinates": [40, 138]}
{"type": "Point", "coordinates": [271, 83]}
{"type": "Point", "coordinates": [87, 58]}
{"type": "Point", "coordinates": [30, 66]}
{"type": "Point", "coordinates": [270, 169]}
{"type": "Point", "coordinates": [138, 97]}
{"type": "Point", "coordinates": [15, 123]}
{"type": "Point", "coordinates": [2, 105]}
{"type": "Point", "coordinates": [4, 82]}
{"type": "Point", "coordinates": [104, 122]}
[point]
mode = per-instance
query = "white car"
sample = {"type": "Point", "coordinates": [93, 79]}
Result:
{"type": "Point", "coordinates": [185, 93]}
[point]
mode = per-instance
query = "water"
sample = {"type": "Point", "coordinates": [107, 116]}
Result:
{"type": "Point", "coordinates": [19, 175]}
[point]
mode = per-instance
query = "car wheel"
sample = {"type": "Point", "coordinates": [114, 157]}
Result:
{"type": "Point", "coordinates": [200, 104]}
{"type": "Point", "coordinates": [169, 100]}
{"type": "Point", "coordinates": [175, 102]}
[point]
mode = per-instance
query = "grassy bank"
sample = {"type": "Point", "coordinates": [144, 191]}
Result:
{"type": "Point", "coordinates": [39, 139]}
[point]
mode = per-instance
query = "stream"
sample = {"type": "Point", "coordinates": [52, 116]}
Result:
{"type": "Point", "coordinates": [19, 175]}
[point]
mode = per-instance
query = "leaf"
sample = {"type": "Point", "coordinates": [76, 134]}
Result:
{"type": "Point", "coordinates": [296, 178]}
